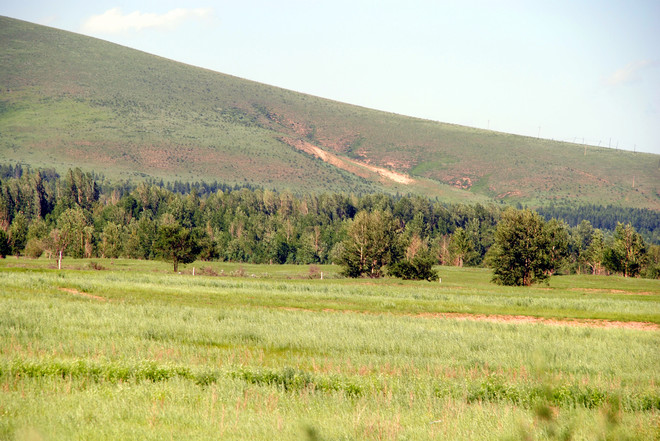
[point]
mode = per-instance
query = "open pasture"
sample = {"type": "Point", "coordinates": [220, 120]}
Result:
{"type": "Point", "coordinates": [274, 352]}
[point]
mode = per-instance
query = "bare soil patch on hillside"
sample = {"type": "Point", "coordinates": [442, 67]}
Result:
{"type": "Point", "coordinates": [349, 165]}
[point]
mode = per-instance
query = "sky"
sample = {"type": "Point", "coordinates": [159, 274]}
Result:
{"type": "Point", "coordinates": [585, 71]}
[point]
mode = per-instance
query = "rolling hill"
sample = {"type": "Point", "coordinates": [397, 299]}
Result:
{"type": "Point", "coordinates": [70, 100]}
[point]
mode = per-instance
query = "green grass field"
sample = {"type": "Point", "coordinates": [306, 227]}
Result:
{"type": "Point", "coordinates": [133, 351]}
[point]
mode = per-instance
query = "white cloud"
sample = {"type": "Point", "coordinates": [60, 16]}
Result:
{"type": "Point", "coordinates": [113, 21]}
{"type": "Point", "coordinates": [630, 73]}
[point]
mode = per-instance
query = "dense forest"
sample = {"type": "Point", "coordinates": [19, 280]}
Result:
{"type": "Point", "coordinates": [84, 215]}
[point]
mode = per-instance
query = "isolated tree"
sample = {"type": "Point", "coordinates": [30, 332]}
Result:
{"type": "Point", "coordinates": [521, 252]}
{"type": "Point", "coordinates": [176, 244]}
{"type": "Point", "coordinates": [371, 244]}
{"type": "Point", "coordinates": [628, 252]}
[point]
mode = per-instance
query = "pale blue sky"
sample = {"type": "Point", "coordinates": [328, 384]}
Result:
{"type": "Point", "coordinates": [569, 70]}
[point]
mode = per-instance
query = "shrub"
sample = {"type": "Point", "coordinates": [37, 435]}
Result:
{"type": "Point", "coordinates": [419, 268]}
{"type": "Point", "coordinates": [34, 248]}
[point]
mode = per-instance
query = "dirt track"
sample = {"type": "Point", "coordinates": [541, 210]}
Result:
{"type": "Point", "coordinates": [75, 292]}
{"type": "Point", "coordinates": [589, 323]}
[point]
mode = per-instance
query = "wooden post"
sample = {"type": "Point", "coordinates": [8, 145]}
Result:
{"type": "Point", "coordinates": [59, 261]}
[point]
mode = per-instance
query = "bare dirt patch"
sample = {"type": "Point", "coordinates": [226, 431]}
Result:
{"type": "Point", "coordinates": [615, 291]}
{"type": "Point", "coordinates": [589, 323]}
{"type": "Point", "coordinates": [348, 164]}
{"type": "Point", "coordinates": [465, 183]}
{"type": "Point", "coordinates": [75, 292]}
{"type": "Point", "coordinates": [515, 193]}
{"type": "Point", "coordinates": [502, 318]}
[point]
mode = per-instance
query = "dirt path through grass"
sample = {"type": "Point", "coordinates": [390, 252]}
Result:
{"type": "Point", "coordinates": [75, 292]}
{"type": "Point", "coordinates": [503, 318]}
{"type": "Point", "coordinates": [590, 323]}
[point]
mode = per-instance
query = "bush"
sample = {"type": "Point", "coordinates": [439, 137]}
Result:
{"type": "Point", "coordinates": [419, 268]}
{"type": "Point", "coordinates": [34, 248]}
{"type": "Point", "coordinates": [96, 266]}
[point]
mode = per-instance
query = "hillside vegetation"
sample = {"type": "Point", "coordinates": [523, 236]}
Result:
{"type": "Point", "coordinates": [69, 100]}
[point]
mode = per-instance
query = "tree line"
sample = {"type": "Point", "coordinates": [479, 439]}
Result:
{"type": "Point", "coordinates": [83, 215]}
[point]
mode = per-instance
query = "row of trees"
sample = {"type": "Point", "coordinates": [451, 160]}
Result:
{"type": "Point", "coordinates": [369, 234]}
{"type": "Point", "coordinates": [607, 217]}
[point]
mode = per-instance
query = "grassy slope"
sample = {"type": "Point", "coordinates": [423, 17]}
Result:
{"type": "Point", "coordinates": [72, 100]}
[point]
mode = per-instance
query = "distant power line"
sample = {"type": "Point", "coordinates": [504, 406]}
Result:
{"type": "Point", "coordinates": [579, 140]}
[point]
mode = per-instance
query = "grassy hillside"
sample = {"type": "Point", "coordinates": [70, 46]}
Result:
{"type": "Point", "coordinates": [68, 100]}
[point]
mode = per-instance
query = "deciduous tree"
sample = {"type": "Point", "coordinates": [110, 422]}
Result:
{"type": "Point", "coordinates": [176, 244]}
{"type": "Point", "coordinates": [521, 252]}
{"type": "Point", "coordinates": [628, 252]}
{"type": "Point", "coordinates": [371, 244]}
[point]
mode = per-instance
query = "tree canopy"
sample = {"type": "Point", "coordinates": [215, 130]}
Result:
{"type": "Point", "coordinates": [628, 253]}
{"type": "Point", "coordinates": [83, 215]}
{"type": "Point", "coordinates": [521, 254]}
{"type": "Point", "coordinates": [371, 244]}
{"type": "Point", "coordinates": [176, 244]}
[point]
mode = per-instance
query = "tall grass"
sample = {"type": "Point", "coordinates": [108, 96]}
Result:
{"type": "Point", "coordinates": [155, 356]}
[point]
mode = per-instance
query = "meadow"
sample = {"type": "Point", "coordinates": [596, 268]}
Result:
{"type": "Point", "coordinates": [120, 349]}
